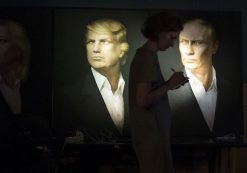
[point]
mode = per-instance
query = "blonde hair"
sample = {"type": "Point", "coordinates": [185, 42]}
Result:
{"type": "Point", "coordinates": [17, 56]}
{"type": "Point", "coordinates": [113, 27]}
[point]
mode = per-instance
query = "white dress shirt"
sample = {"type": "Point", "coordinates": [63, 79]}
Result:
{"type": "Point", "coordinates": [114, 101]}
{"type": "Point", "coordinates": [12, 95]}
{"type": "Point", "coordinates": [205, 99]}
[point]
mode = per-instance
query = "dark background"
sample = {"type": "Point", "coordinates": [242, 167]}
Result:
{"type": "Point", "coordinates": [38, 86]}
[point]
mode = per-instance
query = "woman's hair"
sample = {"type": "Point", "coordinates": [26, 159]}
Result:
{"type": "Point", "coordinates": [113, 27]}
{"type": "Point", "coordinates": [17, 56]}
{"type": "Point", "coordinates": [161, 22]}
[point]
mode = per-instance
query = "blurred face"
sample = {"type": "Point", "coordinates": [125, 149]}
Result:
{"type": "Point", "coordinates": [103, 51]}
{"type": "Point", "coordinates": [196, 46]}
{"type": "Point", "coordinates": [166, 40]}
{"type": "Point", "coordinates": [4, 44]}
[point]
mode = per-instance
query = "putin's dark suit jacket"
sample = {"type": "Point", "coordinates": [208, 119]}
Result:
{"type": "Point", "coordinates": [188, 120]}
{"type": "Point", "coordinates": [81, 106]}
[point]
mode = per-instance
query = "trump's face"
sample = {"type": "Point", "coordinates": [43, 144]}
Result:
{"type": "Point", "coordinates": [103, 51]}
{"type": "Point", "coordinates": [196, 46]}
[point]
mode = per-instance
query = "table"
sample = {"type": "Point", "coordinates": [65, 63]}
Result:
{"type": "Point", "coordinates": [122, 152]}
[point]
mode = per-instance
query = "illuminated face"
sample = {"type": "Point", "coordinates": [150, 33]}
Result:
{"type": "Point", "coordinates": [196, 46]}
{"type": "Point", "coordinates": [103, 51]}
{"type": "Point", "coordinates": [166, 40]}
{"type": "Point", "coordinates": [4, 44]}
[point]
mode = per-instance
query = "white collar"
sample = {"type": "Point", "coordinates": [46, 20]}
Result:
{"type": "Point", "coordinates": [193, 79]}
{"type": "Point", "coordinates": [101, 80]}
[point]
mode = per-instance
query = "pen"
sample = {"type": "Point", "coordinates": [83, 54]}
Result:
{"type": "Point", "coordinates": [172, 69]}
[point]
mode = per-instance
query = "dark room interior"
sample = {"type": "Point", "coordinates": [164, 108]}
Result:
{"type": "Point", "coordinates": [43, 133]}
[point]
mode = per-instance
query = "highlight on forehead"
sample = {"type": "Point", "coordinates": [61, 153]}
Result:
{"type": "Point", "coordinates": [203, 23]}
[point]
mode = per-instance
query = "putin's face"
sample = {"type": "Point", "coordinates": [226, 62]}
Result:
{"type": "Point", "coordinates": [196, 46]}
{"type": "Point", "coordinates": [103, 51]}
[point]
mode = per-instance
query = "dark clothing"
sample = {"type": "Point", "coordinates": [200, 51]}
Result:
{"type": "Point", "coordinates": [81, 106]}
{"type": "Point", "coordinates": [20, 134]}
{"type": "Point", "coordinates": [150, 126]}
{"type": "Point", "coordinates": [188, 120]}
{"type": "Point", "coordinates": [8, 138]}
